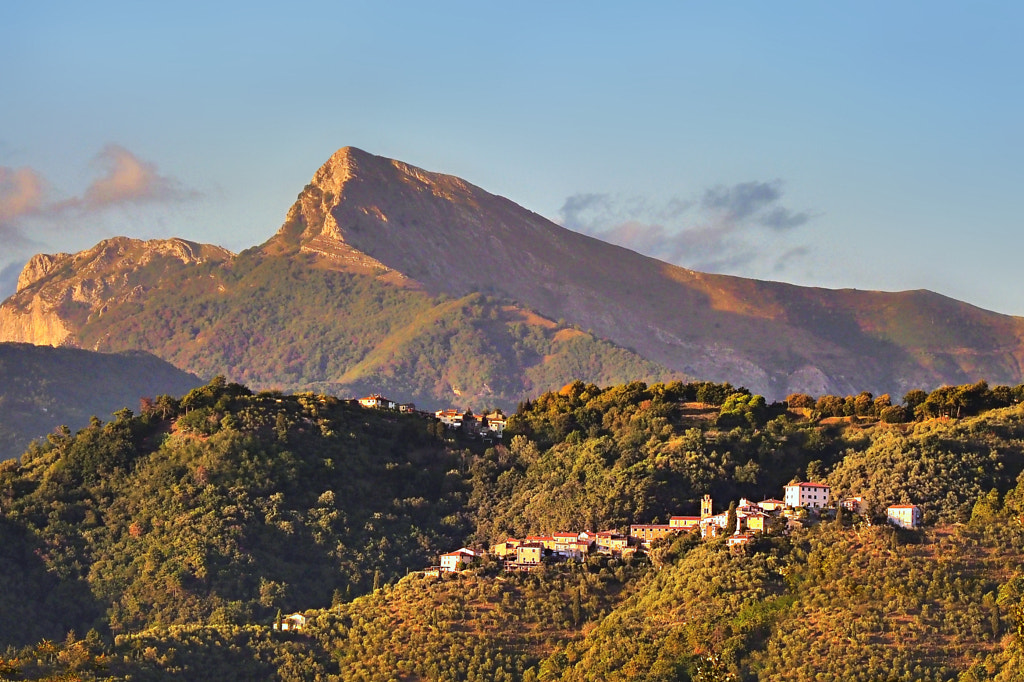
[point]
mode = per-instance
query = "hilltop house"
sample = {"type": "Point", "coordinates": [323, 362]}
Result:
{"type": "Point", "coordinates": [496, 423]}
{"type": "Point", "coordinates": [450, 418]}
{"type": "Point", "coordinates": [813, 495]}
{"type": "Point", "coordinates": [904, 515]}
{"type": "Point", "coordinates": [379, 402]}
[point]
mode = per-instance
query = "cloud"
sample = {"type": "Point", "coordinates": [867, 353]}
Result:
{"type": "Point", "coordinates": [28, 214]}
{"type": "Point", "coordinates": [21, 194]}
{"type": "Point", "coordinates": [129, 179]}
{"type": "Point", "coordinates": [126, 179]}
{"type": "Point", "coordinates": [726, 228]}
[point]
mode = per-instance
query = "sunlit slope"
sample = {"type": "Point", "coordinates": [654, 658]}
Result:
{"type": "Point", "coordinates": [373, 253]}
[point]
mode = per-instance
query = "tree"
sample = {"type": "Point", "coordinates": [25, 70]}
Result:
{"type": "Point", "coordinates": [914, 398]}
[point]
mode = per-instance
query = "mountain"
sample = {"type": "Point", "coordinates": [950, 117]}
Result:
{"type": "Point", "coordinates": [399, 243]}
{"type": "Point", "coordinates": [43, 388]}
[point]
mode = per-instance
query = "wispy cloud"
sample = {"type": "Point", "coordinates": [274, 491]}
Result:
{"type": "Point", "coordinates": [723, 228]}
{"type": "Point", "coordinates": [128, 179]}
{"type": "Point", "coordinates": [21, 194]}
{"type": "Point", "coordinates": [29, 214]}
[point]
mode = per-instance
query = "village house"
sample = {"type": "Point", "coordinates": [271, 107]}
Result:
{"type": "Point", "coordinates": [813, 495]}
{"type": "Point", "coordinates": [569, 545]}
{"type": "Point", "coordinates": [751, 519]}
{"type": "Point", "coordinates": [684, 522]}
{"type": "Point", "coordinates": [739, 540]}
{"type": "Point", "coordinates": [496, 423]}
{"type": "Point", "coordinates": [712, 526]}
{"type": "Point", "coordinates": [450, 418]}
{"type": "Point", "coordinates": [377, 401]}
{"type": "Point", "coordinates": [647, 533]}
{"type": "Point", "coordinates": [904, 515]}
{"type": "Point", "coordinates": [453, 562]}
{"type": "Point", "coordinates": [527, 555]}
{"type": "Point", "coordinates": [771, 505]}
{"type": "Point", "coordinates": [293, 623]}
{"type": "Point", "coordinates": [545, 541]}
{"type": "Point", "coordinates": [854, 504]}
{"type": "Point", "coordinates": [503, 549]}
{"type": "Point", "coordinates": [610, 542]}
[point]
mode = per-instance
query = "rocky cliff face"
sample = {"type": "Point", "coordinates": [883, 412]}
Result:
{"type": "Point", "coordinates": [57, 293]}
{"type": "Point", "coordinates": [453, 237]}
{"type": "Point", "coordinates": [412, 228]}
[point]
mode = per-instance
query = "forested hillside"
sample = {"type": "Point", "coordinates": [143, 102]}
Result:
{"type": "Point", "coordinates": [170, 541]}
{"type": "Point", "coordinates": [289, 323]}
{"type": "Point", "coordinates": [43, 388]}
{"type": "Point", "coordinates": [221, 507]}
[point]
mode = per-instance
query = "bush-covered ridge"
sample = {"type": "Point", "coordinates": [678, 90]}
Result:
{"type": "Point", "coordinates": [221, 507]}
{"type": "Point", "coordinates": [184, 530]}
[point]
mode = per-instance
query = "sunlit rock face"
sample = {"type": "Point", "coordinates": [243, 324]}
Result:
{"type": "Point", "coordinates": [417, 229]}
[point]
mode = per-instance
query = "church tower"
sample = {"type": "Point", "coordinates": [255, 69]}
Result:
{"type": "Point", "coordinates": [705, 506]}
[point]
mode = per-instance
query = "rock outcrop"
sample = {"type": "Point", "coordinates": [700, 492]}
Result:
{"type": "Point", "coordinates": [57, 293]}
{"type": "Point", "coordinates": [405, 226]}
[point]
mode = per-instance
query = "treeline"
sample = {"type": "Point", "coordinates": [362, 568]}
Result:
{"type": "Point", "coordinates": [947, 401]}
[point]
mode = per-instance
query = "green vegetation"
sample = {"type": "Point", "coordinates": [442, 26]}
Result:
{"type": "Point", "coordinates": [46, 387]}
{"type": "Point", "coordinates": [219, 508]}
{"type": "Point", "coordinates": [284, 323]}
{"type": "Point", "coordinates": [175, 538]}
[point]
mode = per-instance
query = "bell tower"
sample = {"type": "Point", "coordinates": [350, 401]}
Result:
{"type": "Point", "coordinates": [705, 506]}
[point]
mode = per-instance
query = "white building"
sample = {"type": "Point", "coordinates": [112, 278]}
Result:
{"type": "Point", "coordinates": [294, 622]}
{"type": "Point", "coordinates": [377, 401]}
{"type": "Point", "coordinates": [453, 562]}
{"type": "Point", "coordinates": [450, 418]}
{"type": "Point", "coordinates": [814, 495]}
{"type": "Point", "coordinates": [904, 515]}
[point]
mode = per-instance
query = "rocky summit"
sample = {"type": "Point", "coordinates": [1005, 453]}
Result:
{"type": "Point", "coordinates": [423, 238]}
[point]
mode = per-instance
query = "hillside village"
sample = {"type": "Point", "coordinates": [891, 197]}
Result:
{"type": "Point", "coordinates": [740, 524]}
{"type": "Point", "coordinates": [802, 502]}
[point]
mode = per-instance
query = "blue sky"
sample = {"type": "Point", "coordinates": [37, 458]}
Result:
{"type": "Point", "coordinates": [868, 145]}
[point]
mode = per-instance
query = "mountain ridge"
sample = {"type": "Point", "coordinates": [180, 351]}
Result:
{"type": "Point", "coordinates": [420, 231]}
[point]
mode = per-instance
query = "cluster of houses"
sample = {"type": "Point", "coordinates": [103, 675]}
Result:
{"type": "Point", "coordinates": [486, 426]}
{"type": "Point", "coordinates": [751, 519]}
{"type": "Point", "coordinates": [492, 424]}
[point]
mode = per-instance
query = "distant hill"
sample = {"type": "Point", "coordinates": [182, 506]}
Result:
{"type": "Point", "coordinates": [42, 388]}
{"type": "Point", "coordinates": [388, 276]}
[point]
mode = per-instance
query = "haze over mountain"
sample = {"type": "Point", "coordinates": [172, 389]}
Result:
{"type": "Point", "coordinates": [356, 290]}
{"type": "Point", "coordinates": [44, 388]}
